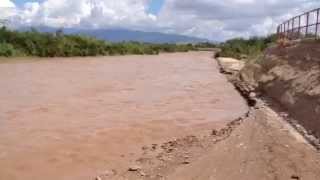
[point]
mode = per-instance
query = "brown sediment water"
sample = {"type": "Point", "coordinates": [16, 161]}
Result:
{"type": "Point", "coordinates": [71, 118]}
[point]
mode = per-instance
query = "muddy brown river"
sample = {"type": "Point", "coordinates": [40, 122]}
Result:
{"type": "Point", "coordinates": [71, 118]}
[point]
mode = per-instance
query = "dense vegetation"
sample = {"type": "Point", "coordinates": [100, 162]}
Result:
{"type": "Point", "coordinates": [58, 44]}
{"type": "Point", "coordinates": [33, 43]}
{"type": "Point", "coordinates": [245, 48]}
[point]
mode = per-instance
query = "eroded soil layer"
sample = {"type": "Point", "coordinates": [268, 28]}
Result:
{"type": "Point", "coordinates": [75, 118]}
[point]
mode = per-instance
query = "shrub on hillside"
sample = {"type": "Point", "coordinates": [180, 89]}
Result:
{"type": "Point", "coordinates": [245, 48]}
{"type": "Point", "coordinates": [7, 50]}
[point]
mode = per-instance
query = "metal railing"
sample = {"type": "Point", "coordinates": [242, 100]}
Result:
{"type": "Point", "coordinates": [305, 25]}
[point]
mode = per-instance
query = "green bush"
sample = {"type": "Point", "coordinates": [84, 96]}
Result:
{"type": "Point", "coordinates": [7, 50]}
{"type": "Point", "coordinates": [245, 48]}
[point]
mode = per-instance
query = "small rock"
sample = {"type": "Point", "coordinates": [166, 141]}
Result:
{"type": "Point", "coordinates": [295, 177]}
{"type": "Point", "coordinates": [169, 150]}
{"type": "Point", "coordinates": [214, 132]}
{"type": "Point", "coordinates": [109, 173]}
{"type": "Point", "coordinates": [241, 145]}
{"type": "Point", "coordinates": [159, 175]}
{"type": "Point", "coordinates": [154, 146]}
{"type": "Point", "coordinates": [252, 95]}
{"type": "Point", "coordinates": [284, 114]}
{"type": "Point", "coordinates": [142, 173]}
{"type": "Point", "coordinates": [135, 168]}
{"type": "Point", "coordinates": [145, 148]}
{"type": "Point", "coordinates": [98, 178]}
{"type": "Point", "coordinates": [186, 162]}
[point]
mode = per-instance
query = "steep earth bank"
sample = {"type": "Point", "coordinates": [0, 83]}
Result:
{"type": "Point", "coordinates": [289, 76]}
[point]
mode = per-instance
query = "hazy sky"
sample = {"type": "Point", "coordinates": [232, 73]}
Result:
{"type": "Point", "coordinates": [211, 19]}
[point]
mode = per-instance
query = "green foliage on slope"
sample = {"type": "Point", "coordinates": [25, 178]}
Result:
{"type": "Point", "coordinates": [246, 48]}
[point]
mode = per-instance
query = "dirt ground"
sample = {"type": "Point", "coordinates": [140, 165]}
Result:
{"type": "Point", "coordinates": [74, 119]}
{"type": "Point", "coordinates": [261, 146]}
{"type": "Point", "coordinates": [258, 146]}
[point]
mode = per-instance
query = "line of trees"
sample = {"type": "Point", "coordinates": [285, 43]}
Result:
{"type": "Point", "coordinates": [58, 44]}
{"type": "Point", "coordinates": [34, 43]}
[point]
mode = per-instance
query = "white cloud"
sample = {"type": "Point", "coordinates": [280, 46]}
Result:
{"type": "Point", "coordinates": [212, 19]}
{"type": "Point", "coordinates": [6, 3]}
{"type": "Point", "coordinates": [124, 13]}
{"type": "Point", "coordinates": [7, 9]}
{"type": "Point", "coordinates": [223, 19]}
{"type": "Point", "coordinates": [87, 13]}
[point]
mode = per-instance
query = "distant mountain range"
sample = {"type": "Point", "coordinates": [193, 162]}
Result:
{"type": "Point", "coordinates": [120, 35]}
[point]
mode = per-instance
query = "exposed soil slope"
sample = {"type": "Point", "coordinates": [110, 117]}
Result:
{"type": "Point", "coordinates": [291, 76]}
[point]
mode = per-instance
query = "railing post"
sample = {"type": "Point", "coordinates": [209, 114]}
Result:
{"type": "Point", "coordinates": [307, 26]}
{"type": "Point", "coordinates": [288, 29]}
{"type": "Point", "coordinates": [299, 28]}
{"type": "Point", "coordinates": [293, 27]}
{"type": "Point", "coordinates": [284, 29]}
{"type": "Point", "coordinates": [317, 23]}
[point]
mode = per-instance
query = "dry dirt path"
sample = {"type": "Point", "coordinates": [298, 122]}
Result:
{"type": "Point", "coordinates": [262, 147]}
{"type": "Point", "coordinates": [70, 119]}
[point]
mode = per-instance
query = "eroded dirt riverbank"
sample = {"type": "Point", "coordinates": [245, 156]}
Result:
{"type": "Point", "coordinates": [75, 118]}
{"type": "Point", "coordinates": [259, 145]}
